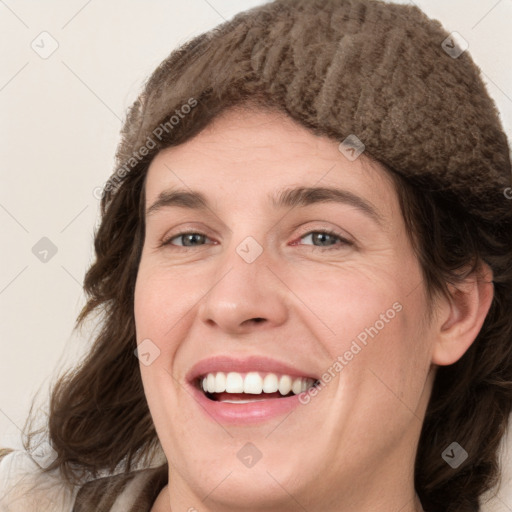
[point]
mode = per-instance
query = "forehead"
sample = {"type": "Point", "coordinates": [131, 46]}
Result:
{"type": "Point", "coordinates": [244, 155]}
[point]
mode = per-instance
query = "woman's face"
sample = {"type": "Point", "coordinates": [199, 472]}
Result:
{"type": "Point", "coordinates": [258, 297]}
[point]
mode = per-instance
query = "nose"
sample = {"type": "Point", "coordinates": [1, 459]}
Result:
{"type": "Point", "coordinates": [244, 295]}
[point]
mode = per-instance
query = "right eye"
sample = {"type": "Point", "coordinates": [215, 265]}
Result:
{"type": "Point", "coordinates": [188, 239]}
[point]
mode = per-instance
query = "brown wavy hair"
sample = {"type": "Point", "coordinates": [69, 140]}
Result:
{"type": "Point", "coordinates": [99, 419]}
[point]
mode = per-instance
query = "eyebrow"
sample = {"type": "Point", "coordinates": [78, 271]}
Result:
{"type": "Point", "coordinates": [298, 197]}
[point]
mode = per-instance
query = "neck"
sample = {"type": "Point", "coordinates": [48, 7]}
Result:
{"type": "Point", "coordinates": [169, 501]}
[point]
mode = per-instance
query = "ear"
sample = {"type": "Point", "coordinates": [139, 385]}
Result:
{"type": "Point", "coordinates": [462, 315]}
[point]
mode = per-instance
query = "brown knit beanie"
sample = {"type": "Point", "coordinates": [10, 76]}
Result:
{"type": "Point", "coordinates": [380, 71]}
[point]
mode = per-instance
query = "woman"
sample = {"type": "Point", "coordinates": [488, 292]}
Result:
{"type": "Point", "coordinates": [307, 245]}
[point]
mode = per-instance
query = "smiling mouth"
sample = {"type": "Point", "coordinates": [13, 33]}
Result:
{"type": "Point", "coordinates": [242, 388]}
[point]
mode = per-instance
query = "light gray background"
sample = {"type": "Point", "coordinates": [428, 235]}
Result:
{"type": "Point", "coordinates": [59, 129]}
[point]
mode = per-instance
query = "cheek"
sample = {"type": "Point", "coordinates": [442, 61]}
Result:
{"type": "Point", "coordinates": [354, 301]}
{"type": "Point", "coordinates": [161, 303]}
{"type": "Point", "coordinates": [371, 320]}
{"type": "Point", "coordinates": [158, 307]}
{"type": "Point", "coordinates": [389, 373]}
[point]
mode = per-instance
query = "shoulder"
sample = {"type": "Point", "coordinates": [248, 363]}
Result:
{"type": "Point", "coordinates": [124, 492]}
{"type": "Point", "coordinates": [4, 452]}
{"type": "Point", "coordinates": [24, 488]}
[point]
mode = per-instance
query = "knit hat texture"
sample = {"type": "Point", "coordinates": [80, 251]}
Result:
{"type": "Point", "coordinates": [376, 70]}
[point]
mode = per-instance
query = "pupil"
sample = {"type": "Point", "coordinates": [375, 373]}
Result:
{"type": "Point", "coordinates": [191, 238]}
{"type": "Point", "coordinates": [320, 236]}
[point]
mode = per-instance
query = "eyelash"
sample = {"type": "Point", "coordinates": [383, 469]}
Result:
{"type": "Point", "coordinates": [344, 241]}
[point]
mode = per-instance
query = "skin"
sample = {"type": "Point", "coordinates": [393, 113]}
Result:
{"type": "Point", "coordinates": [352, 448]}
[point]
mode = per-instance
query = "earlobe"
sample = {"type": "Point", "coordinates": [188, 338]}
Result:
{"type": "Point", "coordinates": [464, 314]}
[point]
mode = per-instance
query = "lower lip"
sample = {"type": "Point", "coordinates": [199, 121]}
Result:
{"type": "Point", "coordinates": [240, 414]}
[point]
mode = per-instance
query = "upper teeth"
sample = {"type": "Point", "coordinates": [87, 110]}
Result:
{"type": "Point", "coordinates": [254, 383]}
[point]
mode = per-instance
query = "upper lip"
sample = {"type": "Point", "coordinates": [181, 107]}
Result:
{"type": "Point", "coordinates": [263, 364]}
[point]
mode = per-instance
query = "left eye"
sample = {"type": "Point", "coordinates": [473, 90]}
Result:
{"type": "Point", "coordinates": [327, 240]}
